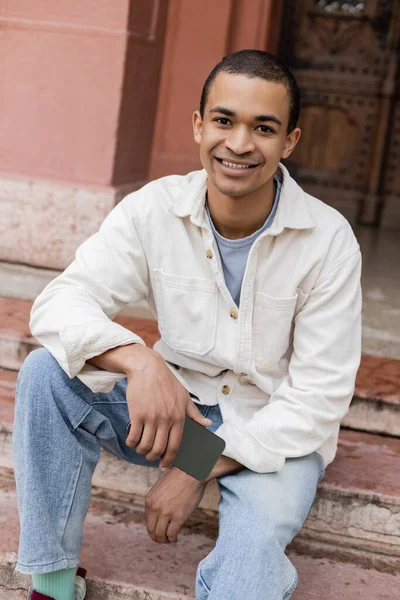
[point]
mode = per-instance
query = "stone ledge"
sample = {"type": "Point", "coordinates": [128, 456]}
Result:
{"type": "Point", "coordinates": [378, 379]}
{"type": "Point", "coordinates": [16, 340]}
{"type": "Point", "coordinates": [124, 563]}
{"type": "Point", "coordinates": [43, 222]}
{"type": "Point", "coordinates": [23, 282]}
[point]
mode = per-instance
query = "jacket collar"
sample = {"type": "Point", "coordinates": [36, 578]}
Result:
{"type": "Point", "coordinates": [293, 209]}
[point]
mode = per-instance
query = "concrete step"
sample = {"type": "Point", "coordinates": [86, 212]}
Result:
{"type": "Point", "coordinates": [376, 403]}
{"type": "Point", "coordinates": [357, 504]}
{"type": "Point", "coordinates": [24, 282]}
{"type": "Point", "coordinates": [16, 340]}
{"type": "Point", "coordinates": [124, 563]}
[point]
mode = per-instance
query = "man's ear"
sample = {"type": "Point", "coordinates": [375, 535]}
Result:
{"type": "Point", "coordinates": [291, 142]}
{"type": "Point", "coordinates": [197, 126]}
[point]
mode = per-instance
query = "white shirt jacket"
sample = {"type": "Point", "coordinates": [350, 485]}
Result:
{"type": "Point", "coordinates": [282, 366]}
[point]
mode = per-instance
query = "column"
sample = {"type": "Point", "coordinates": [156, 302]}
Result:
{"type": "Point", "coordinates": [78, 92]}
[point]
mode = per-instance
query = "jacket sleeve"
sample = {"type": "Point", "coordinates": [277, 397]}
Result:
{"type": "Point", "coordinates": [307, 407]}
{"type": "Point", "coordinates": [72, 316]}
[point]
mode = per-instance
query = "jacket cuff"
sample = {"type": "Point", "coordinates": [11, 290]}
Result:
{"type": "Point", "coordinates": [98, 380]}
{"type": "Point", "coordinates": [248, 451]}
{"type": "Point", "coordinates": [104, 336]}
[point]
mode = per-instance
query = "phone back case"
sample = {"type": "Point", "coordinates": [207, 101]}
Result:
{"type": "Point", "coordinates": [199, 450]}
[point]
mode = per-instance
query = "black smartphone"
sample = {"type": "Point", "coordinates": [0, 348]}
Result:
{"type": "Point", "coordinates": [199, 450]}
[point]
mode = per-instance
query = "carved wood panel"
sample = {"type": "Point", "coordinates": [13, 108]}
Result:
{"type": "Point", "coordinates": [344, 54]}
{"type": "Point", "coordinates": [391, 179]}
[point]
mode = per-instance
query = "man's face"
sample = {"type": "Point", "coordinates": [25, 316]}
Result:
{"type": "Point", "coordinates": [243, 134]}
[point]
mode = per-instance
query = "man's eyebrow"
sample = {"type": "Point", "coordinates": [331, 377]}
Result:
{"type": "Point", "coordinates": [223, 111]}
{"type": "Point", "coordinates": [262, 118]}
{"type": "Point", "coordinates": [259, 118]}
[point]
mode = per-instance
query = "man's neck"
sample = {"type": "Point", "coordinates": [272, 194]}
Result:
{"type": "Point", "coordinates": [236, 217]}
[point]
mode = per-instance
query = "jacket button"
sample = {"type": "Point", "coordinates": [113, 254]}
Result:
{"type": "Point", "coordinates": [209, 254]}
{"type": "Point", "coordinates": [233, 313]}
{"type": "Point", "coordinates": [226, 390]}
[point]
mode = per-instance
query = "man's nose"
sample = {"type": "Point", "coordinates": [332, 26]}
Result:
{"type": "Point", "coordinates": [239, 141]}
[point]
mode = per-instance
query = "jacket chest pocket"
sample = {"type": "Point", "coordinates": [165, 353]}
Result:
{"type": "Point", "coordinates": [187, 312]}
{"type": "Point", "coordinates": [272, 323]}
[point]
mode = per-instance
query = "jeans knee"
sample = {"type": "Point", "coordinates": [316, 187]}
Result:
{"type": "Point", "coordinates": [267, 539]}
{"type": "Point", "coordinates": [38, 370]}
{"type": "Point", "coordinates": [38, 363]}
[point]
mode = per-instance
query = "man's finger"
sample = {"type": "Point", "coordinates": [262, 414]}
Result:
{"type": "Point", "coordinates": [161, 529]}
{"type": "Point", "coordinates": [147, 440]}
{"type": "Point", "coordinates": [174, 441]}
{"type": "Point", "coordinates": [159, 444]}
{"type": "Point", "coordinates": [151, 522]}
{"type": "Point", "coordinates": [172, 531]}
{"type": "Point", "coordinates": [193, 412]}
{"type": "Point", "coordinates": [135, 433]}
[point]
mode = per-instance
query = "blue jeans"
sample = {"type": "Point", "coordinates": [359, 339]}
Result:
{"type": "Point", "coordinates": [60, 425]}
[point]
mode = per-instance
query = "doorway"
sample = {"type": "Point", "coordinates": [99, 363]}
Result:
{"type": "Point", "coordinates": [345, 57]}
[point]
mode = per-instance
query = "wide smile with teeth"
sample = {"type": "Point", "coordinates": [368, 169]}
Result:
{"type": "Point", "coordinates": [235, 165]}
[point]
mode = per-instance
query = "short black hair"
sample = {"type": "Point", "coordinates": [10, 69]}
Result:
{"type": "Point", "coordinates": [257, 63]}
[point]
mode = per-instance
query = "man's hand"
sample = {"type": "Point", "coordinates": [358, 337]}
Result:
{"type": "Point", "coordinates": [157, 401]}
{"type": "Point", "coordinates": [157, 404]}
{"type": "Point", "coordinates": [170, 502]}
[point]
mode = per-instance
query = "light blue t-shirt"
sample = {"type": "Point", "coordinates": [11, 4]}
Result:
{"type": "Point", "coordinates": [234, 253]}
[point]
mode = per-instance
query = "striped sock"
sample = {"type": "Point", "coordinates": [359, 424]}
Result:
{"type": "Point", "coordinates": [59, 585]}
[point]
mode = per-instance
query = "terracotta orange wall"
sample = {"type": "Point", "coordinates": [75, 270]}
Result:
{"type": "Point", "coordinates": [198, 35]}
{"type": "Point", "coordinates": [79, 83]}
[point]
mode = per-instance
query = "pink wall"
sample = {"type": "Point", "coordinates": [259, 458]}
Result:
{"type": "Point", "coordinates": [75, 74]}
{"type": "Point", "coordinates": [198, 35]}
{"type": "Point", "coordinates": [79, 86]}
{"type": "Point", "coordinates": [139, 95]}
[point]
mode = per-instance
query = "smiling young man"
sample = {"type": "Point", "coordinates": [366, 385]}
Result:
{"type": "Point", "coordinates": [256, 289]}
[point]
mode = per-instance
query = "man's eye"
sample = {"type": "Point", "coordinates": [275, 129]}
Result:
{"type": "Point", "coordinates": [223, 121]}
{"type": "Point", "coordinates": [265, 129]}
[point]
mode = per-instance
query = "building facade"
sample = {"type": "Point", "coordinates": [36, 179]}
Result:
{"type": "Point", "coordinates": [96, 98]}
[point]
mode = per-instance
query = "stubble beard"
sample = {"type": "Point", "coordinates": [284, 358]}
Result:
{"type": "Point", "coordinates": [233, 192]}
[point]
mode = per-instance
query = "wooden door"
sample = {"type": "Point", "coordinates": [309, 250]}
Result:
{"type": "Point", "coordinates": [345, 56]}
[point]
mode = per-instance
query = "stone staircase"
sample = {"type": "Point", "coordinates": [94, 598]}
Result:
{"type": "Point", "coordinates": [349, 547]}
